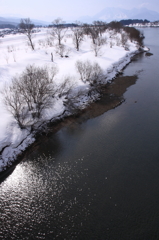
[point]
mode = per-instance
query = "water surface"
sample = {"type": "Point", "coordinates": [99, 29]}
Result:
{"type": "Point", "coordinates": [96, 177]}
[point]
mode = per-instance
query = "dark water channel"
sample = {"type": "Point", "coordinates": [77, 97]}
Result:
{"type": "Point", "coordinates": [96, 176]}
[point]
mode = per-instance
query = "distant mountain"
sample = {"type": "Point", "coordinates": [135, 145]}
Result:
{"type": "Point", "coordinates": [110, 14]}
{"type": "Point", "coordinates": [15, 21]}
{"type": "Point", "coordinates": [7, 21]}
{"type": "Point", "coordinates": [107, 15]}
{"type": "Point", "coordinates": [144, 13]}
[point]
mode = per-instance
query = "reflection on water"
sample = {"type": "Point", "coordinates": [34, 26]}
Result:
{"type": "Point", "coordinates": [52, 193]}
{"type": "Point", "coordinates": [51, 196]}
{"type": "Point", "coordinates": [42, 197]}
{"type": "Point", "coordinates": [96, 176]}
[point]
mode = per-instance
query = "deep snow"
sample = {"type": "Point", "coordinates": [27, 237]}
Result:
{"type": "Point", "coordinates": [16, 55]}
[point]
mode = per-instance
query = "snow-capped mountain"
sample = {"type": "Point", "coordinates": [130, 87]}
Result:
{"type": "Point", "coordinates": [110, 14]}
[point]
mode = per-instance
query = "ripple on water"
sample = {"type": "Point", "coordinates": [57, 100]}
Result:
{"type": "Point", "coordinates": [45, 201]}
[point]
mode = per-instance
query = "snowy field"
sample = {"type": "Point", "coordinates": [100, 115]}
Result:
{"type": "Point", "coordinates": [16, 55]}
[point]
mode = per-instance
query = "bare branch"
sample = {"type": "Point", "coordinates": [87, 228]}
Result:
{"type": "Point", "coordinates": [27, 26]}
{"type": "Point", "coordinates": [78, 36]}
{"type": "Point", "coordinates": [29, 94]}
{"type": "Point", "coordinates": [58, 31]}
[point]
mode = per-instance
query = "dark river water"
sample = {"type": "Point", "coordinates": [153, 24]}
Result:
{"type": "Point", "coordinates": [96, 176]}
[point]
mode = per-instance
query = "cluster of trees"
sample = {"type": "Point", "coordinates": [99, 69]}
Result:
{"type": "Point", "coordinates": [34, 91]}
{"type": "Point", "coordinates": [94, 31]}
{"type": "Point", "coordinates": [29, 95]}
{"type": "Point", "coordinates": [134, 35]}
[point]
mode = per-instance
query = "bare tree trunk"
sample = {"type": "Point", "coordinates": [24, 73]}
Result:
{"type": "Point", "coordinates": [52, 57]}
{"type": "Point", "coordinates": [31, 43]}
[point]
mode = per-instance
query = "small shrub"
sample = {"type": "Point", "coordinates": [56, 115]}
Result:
{"type": "Point", "coordinates": [91, 73]}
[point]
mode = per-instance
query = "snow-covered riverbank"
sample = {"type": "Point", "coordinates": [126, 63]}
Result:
{"type": "Point", "coordinates": [16, 55]}
{"type": "Point", "coordinates": [150, 24]}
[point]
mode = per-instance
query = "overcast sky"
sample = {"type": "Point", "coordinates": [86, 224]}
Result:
{"type": "Point", "coordinates": [67, 9]}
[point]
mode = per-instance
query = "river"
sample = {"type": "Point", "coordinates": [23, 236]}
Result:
{"type": "Point", "coordinates": [96, 176]}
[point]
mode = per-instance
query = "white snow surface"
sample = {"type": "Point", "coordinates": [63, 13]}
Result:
{"type": "Point", "coordinates": [150, 24]}
{"type": "Point", "coordinates": [16, 55]}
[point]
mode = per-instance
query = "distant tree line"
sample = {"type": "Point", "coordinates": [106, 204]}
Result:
{"type": "Point", "coordinates": [66, 25]}
{"type": "Point", "coordinates": [133, 21]}
{"type": "Point", "coordinates": [2, 26]}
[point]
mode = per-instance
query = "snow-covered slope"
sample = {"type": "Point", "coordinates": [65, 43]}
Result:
{"type": "Point", "coordinates": [16, 55]}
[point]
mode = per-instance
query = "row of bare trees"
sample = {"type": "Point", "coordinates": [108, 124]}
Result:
{"type": "Point", "coordinates": [29, 95]}
{"type": "Point", "coordinates": [34, 91]}
{"type": "Point", "coordinates": [58, 31]}
{"type": "Point", "coordinates": [94, 31]}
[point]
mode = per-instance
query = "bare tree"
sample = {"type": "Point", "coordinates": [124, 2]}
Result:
{"type": "Point", "coordinates": [116, 26]}
{"type": "Point", "coordinates": [100, 26]}
{"type": "Point", "coordinates": [97, 75]}
{"type": "Point", "coordinates": [134, 35]}
{"type": "Point", "coordinates": [37, 87]}
{"type": "Point", "coordinates": [73, 102]}
{"type": "Point", "coordinates": [124, 39]}
{"type": "Point", "coordinates": [96, 30]}
{"type": "Point", "coordinates": [58, 31]}
{"type": "Point", "coordinates": [60, 49]}
{"type": "Point", "coordinates": [53, 71]}
{"type": "Point", "coordinates": [65, 87]}
{"type": "Point", "coordinates": [30, 93]}
{"type": "Point", "coordinates": [14, 102]}
{"type": "Point", "coordinates": [86, 29]}
{"type": "Point", "coordinates": [94, 33]}
{"type": "Point", "coordinates": [97, 45]}
{"type": "Point", "coordinates": [27, 26]}
{"type": "Point", "coordinates": [91, 73]}
{"type": "Point", "coordinates": [77, 36]}
{"type": "Point", "coordinates": [84, 69]}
